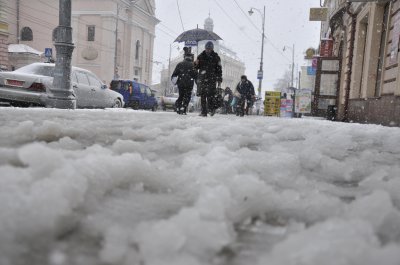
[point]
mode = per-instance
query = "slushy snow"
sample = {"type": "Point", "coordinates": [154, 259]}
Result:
{"type": "Point", "coordinates": [102, 187]}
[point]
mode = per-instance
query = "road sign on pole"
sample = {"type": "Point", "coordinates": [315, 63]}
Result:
{"type": "Point", "coordinates": [260, 75]}
{"type": "Point", "coordinates": [48, 52]}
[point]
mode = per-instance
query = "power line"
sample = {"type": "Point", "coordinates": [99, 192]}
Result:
{"type": "Point", "coordinates": [247, 17]}
{"type": "Point", "coordinates": [265, 36]}
{"type": "Point", "coordinates": [233, 21]}
{"type": "Point", "coordinates": [180, 16]}
{"type": "Point", "coordinates": [171, 30]}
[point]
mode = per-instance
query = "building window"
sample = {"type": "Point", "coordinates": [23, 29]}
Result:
{"type": "Point", "coordinates": [26, 34]}
{"type": "Point", "coordinates": [381, 58]}
{"type": "Point", "coordinates": [136, 72]}
{"type": "Point", "coordinates": [360, 65]}
{"type": "Point", "coordinates": [137, 50]}
{"type": "Point", "coordinates": [91, 30]}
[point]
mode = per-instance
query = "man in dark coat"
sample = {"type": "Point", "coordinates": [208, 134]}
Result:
{"type": "Point", "coordinates": [209, 66]}
{"type": "Point", "coordinates": [186, 74]}
{"type": "Point", "coordinates": [246, 90]}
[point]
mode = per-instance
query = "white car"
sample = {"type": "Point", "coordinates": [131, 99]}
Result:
{"type": "Point", "coordinates": [168, 102]}
{"type": "Point", "coordinates": [30, 85]}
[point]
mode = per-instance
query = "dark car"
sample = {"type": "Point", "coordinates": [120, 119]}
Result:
{"type": "Point", "coordinates": [31, 84]}
{"type": "Point", "coordinates": [136, 95]}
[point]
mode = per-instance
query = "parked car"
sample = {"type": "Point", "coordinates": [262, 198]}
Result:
{"type": "Point", "coordinates": [136, 95]}
{"type": "Point", "coordinates": [30, 85]}
{"type": "Point", "coordinates": [168, 102]}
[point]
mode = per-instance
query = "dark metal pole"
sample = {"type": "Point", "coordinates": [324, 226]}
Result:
{"type": "Point", "coordinates": [18, 22]}
{"type": "Point", "coordinates": [292, 66]}
{"type": "Point", "coordinates": [116, 45]}
{"type": "Point", "coordinates": [261, 65]}
{"type": "Point", "coordinates": [61, 94]}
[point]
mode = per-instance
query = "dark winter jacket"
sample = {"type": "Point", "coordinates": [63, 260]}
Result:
{"type": "Point", "coordinates": [186, 74]}
{"type": "Point", "coordinates": [246, 89]}
{"type": "Point", "coordinates": [210, 70]}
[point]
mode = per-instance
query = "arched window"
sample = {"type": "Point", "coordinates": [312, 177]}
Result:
{"type": "Point", "coordinates": [137, 49]}
{"type": "Point", "coordinates": [26, 34]}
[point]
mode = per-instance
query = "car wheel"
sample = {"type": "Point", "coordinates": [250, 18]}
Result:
{"type": "Point", "coordinates": [135, 105]}
{"type": "Point", "coordinates": [117, 104]}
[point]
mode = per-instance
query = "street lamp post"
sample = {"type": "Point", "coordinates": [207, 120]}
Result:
{"type": "Point", "coordinates": [260, 72]}
{"type": "Point", "coordinates": [61, 94]}
{"type": "Point", "coordinates": [116, 75]}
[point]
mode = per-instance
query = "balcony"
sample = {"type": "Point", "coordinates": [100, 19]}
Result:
{"type": "Point", "coordinates": [334, 6]}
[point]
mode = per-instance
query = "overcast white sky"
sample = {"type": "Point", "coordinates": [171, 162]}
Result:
{"type": "Point", "coordinates": [286, 24]}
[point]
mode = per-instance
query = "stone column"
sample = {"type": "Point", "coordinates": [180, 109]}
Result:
{"type": "Point", "coordinates": [61, 95]}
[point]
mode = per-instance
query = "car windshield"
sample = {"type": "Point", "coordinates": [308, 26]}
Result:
{"type": "Point", "coordinates": [37, 69]}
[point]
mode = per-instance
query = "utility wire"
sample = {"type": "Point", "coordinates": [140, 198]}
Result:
{"type": "Point", "coordinates": [168, 28]}
{"type": "Point", "coordinates": [233, 21]}
{"type": "Point", "coordinates": [180, 16]}
{"type": "Point", "coordinates": [247, 17]}
{"type": "Point", "coordinates": [265, 36]}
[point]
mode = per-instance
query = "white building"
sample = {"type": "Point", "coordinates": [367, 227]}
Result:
{"type": "Point", "coordinates": [115, 39]}
{"type": "Point", "coordinates": [232, 66]}
{"type": "Point", "coordinates": [104, 32]}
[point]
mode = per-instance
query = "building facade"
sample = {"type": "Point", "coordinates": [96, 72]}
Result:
{"type": "Point", "coordinates": [365, 39]}
{"type": "Point", "coordinates": [112, 38]}
{"type": "Point", "coordinates": [4, 65]}
{"type": "Point", "coordinates": [232, 66]}
{"type": "Point", "coordinates": [115, 39]}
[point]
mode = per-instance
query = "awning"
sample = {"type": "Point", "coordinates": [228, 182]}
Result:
{"type": "Point", "coordinates": [22, 48]}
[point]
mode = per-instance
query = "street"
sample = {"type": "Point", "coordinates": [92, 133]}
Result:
{"type": "Point", "coordinates": [118, 186]}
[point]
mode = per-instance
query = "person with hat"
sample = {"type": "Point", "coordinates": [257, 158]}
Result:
{"type": "Point", "coordinates": [186, 75]}
{"type": "Point", "coordinates": [209, 68]}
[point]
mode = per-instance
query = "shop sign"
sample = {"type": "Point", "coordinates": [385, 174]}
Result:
{"type": "Point", "coordinates": [319, 14]}
{"type": "Point", "coordinates": [272, 103]}
{"type": "Point", "coordinates": [302, 101]}
{"type": "Point", "coordinates": [326, 48]}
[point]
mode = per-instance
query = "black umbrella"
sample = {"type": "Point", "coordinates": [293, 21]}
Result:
{"type": "Point", "coordinates": [197, 35]}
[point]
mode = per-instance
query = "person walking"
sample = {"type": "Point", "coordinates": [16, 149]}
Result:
{"type": "Point", "coordinates": [235, 100]}
{"type": "Point", "coordinates": [186, 75]}
{"type": "Point", "coordinates": [209, 68]}
{"type": "Point", "coordinates": [228, 96]}
{"type": "Point", "coordinates": [246, 90]}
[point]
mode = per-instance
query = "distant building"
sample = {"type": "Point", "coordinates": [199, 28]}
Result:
{"type": "Point", "coordinates": [120, 33]}
{"type": "Point", "coordinates": [232, 66]}
{"type": "Point", "coordinates": [97, 39]}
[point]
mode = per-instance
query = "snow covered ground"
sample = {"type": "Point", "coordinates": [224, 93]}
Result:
{"type": "Point", "coordinates": [86, 187]}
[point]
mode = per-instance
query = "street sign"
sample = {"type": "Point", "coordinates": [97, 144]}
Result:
{"type": "Point", "coordinates": [311, 70]}
{"type": "Point", "coordinates": [190, 43]}
{"type": "Point", "coordinates": [260, 75]}
{"type": "Point", "coordinates": [48, 52]}
{"type": "Point", "coordinates": [318, 14]}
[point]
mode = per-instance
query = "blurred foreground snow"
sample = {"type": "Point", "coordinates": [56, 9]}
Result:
{"type": "Point", "coordinates": [133, 187]}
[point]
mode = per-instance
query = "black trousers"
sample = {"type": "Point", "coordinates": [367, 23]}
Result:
{"type": "Point", "coordinates": [185, 93]}
{"type": "Point", "coordinates": [240, 109]}
{"type": "Point", "coordinates": [208, 101]}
